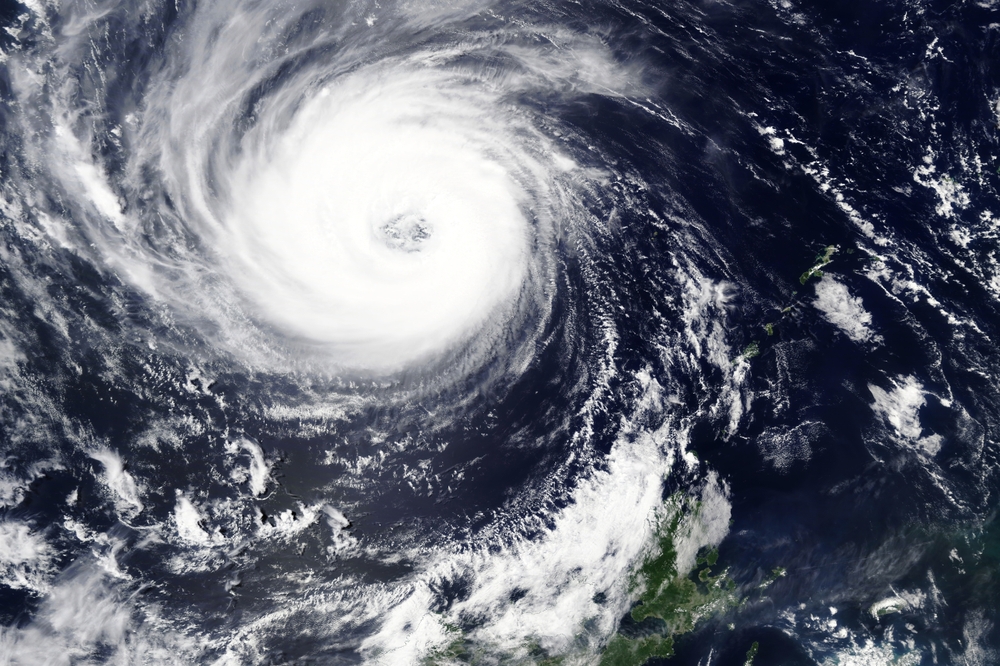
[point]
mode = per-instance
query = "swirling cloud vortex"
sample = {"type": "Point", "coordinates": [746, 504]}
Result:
{"type": "Point", "coordinates": [385, 222]}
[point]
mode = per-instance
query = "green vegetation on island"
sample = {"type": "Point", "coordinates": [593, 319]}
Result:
{"type": "Point", "coordinates": [455, 651]}
{"type": "Point", "coordinates": [671, 596]}
{"type": "Point", "coordinates": [679, 599]}
{"type": "Point", "coordinates": [671, 599]}
{"type": "Point", "coordinates": [622, 651]}
{"type": "Point", "coordinates": [753, 349]}
{"type": "Point", "coordinates": [776, 573]}
{"type": "Point", "coordinates": [820, 261]}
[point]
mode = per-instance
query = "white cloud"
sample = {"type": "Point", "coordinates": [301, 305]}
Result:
{"type": "Point", "coordinates": [118, 480]}
{"type": "Point", "coordinates": [900, 407]}
{"type": "Point", "coordinates": [86, 619]}
{"type": "Point", "coordinates": [258, 468]}
{"type": "Point", "coordinates": [24, 557]}
{"type": "Point", "coordinates": [190, 522]}
{"type": "Point", "coordinates": [844, 311]}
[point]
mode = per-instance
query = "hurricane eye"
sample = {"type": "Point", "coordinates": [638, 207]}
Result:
{"type": "Point", "coordinates": [408, 232]}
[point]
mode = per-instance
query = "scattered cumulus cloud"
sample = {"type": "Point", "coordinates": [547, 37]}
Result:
{"type": "Point", "coordinates": [119, 480]}
{"type": "Point", "coordinates": [844, 311]}
{"type": "Point", "coordinates": [24, 557]}
{"type": "Point", "coordinates": [900, 407]}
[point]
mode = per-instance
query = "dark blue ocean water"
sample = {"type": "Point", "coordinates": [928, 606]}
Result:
{"type": "Point", "coordinates": [850, 418]}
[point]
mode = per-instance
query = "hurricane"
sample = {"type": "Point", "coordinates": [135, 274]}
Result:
{"type": "Point", "coordinates": [486, 332]}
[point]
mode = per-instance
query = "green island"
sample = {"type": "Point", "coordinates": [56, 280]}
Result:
{"type": "Point", "coordinates": [455, 651]}
{"type": "Point", "coordinates": [776, 573]}
{"type": "Point", "coordinates": [770, 328]}
{"type": "Point", "coordinates": [750, 351]}
{"type": "Point", "coordinates": [679, 599]}
{"type": "Point", "coordinates": [821, 260]}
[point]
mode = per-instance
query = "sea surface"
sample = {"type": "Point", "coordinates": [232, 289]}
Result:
{"type": "Point", "coordinates": [471, 332]}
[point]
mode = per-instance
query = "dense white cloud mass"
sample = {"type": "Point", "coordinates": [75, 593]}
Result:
{"type": "Point", "coordinates": [844, 311]}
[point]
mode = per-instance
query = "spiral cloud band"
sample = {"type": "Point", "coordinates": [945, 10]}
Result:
{"type": "Point", "coordinates": [375, 216]}
{"type": "Point", "coordinates": [411, 332]}
{"type": "Point", "coordinates": [285, 213]}
{"type": "Point", "coordinates": [383, 222]}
